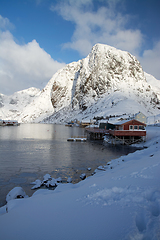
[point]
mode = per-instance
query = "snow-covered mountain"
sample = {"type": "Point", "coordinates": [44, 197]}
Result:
{"type": "Point", "coordinates": [107, 82]}
{"type": "Point", "coordinates": [11, 107]}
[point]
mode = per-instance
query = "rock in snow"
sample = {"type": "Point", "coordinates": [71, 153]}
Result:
{"type": "Point", "coordinates": [48, 181]}
{"type": "Point", "coordinates": [46, 177]}
{"type": "Point", "coordinates": [83, 176]}
{"type": "Point", "coordinates": [69, 180]}
{"type": "Point", "coordinates": [59, 179]}
{"type": "Point", "coordinates": [38, 183]}
{"type": "Point", "coordinates": [106, 82]}
{"type": "Point", "coordinates": [101, 168]}
{"type": "Point", "coordinates": [51, 183]}
{"type": "Point", "coordinates": [16, 192]}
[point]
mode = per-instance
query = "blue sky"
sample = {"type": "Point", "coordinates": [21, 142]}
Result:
{"type": "Point", "coordinates": [38, 37]}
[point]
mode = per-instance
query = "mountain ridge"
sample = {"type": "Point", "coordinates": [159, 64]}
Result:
{"type": "Point", "coordinates": [108, 80]}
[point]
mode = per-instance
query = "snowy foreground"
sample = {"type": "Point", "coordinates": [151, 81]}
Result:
{"type": "Point", "coordinates": [122, 202]}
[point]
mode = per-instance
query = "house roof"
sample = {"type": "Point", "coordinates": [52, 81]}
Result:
{"type": "Point", "coordinates": [132, 121]}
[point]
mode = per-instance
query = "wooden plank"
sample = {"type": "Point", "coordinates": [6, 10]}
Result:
{"type": "Point", "coordinates": [127, 133]}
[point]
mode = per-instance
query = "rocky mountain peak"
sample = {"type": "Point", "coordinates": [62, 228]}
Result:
{"type": "Point", "coordinates": [104, 71]}
{"type": "Point", "coordinates": [107, 81]}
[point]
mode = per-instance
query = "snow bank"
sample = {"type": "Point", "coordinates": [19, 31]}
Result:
{"type": "Point", "coordinates": [122, 202]}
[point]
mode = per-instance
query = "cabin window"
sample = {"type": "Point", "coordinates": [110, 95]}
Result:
{"type": "Point", "coordinates": [130, 127]}
{"type": "Point", "coordinates": [141, 127]}
{"type": "Point", "coordinates": [135, 127]}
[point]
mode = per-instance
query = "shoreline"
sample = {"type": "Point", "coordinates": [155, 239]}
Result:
{"type": "Point", "coordinates": [125, 197]}
{"type": "Point", "coordinates": [89, 173]}
{"type": "Point", "coordinates": [92, 172]}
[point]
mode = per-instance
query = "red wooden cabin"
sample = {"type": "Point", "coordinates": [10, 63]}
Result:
{"type": "Point", "coordinates": [129, 130]}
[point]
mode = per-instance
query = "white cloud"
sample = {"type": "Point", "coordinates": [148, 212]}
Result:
{"type": "Point", "coordinates": [151, 61]}
{"type": "Point", "coordinates": [5, 23]}
{"type": "Point", "coordinates": [23, 66]}
{"type": "Point", "coordinates": [104, 25]}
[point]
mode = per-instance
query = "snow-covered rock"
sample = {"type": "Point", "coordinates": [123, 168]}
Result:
{"type": "Point", "coordinates": [83, 176]}
{"type": "Point", "coordinates": [46, 177]}
{"type": "Point", "coordinates": [47, 181]}
{"type": "Point", "coordinates": [16, 192]}
{"type": "Point", "coordinates": [59, 180]}
{"type": "Point", "coordinates": [101, 168]}
{"type": "Point", "coordinates": [51, 183]}
{"type": "Point", "coordinates": [69, 180]}
{"type": "Point", "coordinates": [37, 184]}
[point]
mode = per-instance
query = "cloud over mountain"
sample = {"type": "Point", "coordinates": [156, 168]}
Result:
{"type": "Point", "coordinates": [103, 25]}
{"type": "Point", "coordinates": [108, 25]}
{"type": "Point", "coordinates": [23, 65]}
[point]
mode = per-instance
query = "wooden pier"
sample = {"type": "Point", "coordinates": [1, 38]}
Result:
{"type": "Point", "coordinates": [126, 137]}
{"type": "Point", "coordinates": [125, 132]}
{"type": "Point", "coordinates": [77, 139]}
{"type": "Point", "coordinates": [96, 133]}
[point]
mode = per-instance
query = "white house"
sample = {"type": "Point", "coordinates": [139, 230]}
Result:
{"type": "Point", "coordinates": [140, 117]}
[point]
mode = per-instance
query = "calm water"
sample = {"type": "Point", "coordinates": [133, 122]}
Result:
{"type": "Point", "coordinates": [29, 151]}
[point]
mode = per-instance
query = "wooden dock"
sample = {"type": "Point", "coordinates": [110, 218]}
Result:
{"type": "Point", "coordinates": [77, 139]}
{"type": "Point", "coordinates": [126, 137]}
{"type": "Point", "coordinates": [96, 133]}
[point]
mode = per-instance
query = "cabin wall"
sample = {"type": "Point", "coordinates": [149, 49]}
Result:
{"type": "Point", "coordinates": [126, 127]}
{"type": "Point", "coordinates": [131, 123]}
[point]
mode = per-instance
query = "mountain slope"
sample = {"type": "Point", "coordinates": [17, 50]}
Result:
{"type": "Point", "coordinates": [107, 82]}
{"type": "Point", "coordinates": [11, 107]}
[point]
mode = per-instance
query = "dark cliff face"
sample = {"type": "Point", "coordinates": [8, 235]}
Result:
{"type": "Point", "coordinates": [59, 93]}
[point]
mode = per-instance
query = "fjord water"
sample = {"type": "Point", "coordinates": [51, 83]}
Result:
{"type": "Point", "coordinates": [29, 151]}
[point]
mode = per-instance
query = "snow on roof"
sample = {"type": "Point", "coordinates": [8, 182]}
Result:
{"type": "Point", "coordinates": [122, 122]}
{"type": "Point", "coordinates": [125, 121]}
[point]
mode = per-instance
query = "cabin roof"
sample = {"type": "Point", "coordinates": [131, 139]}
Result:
{"type": "Point", "coordinates": [132, 121]}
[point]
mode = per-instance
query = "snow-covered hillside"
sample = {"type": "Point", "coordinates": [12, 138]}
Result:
{"type": "Point", "coordinates": [11, 107]}
{"type": "Point", "coordinates": [107, 82]}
